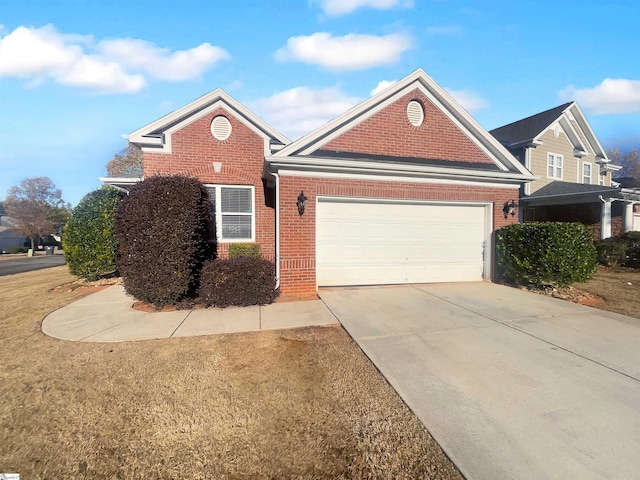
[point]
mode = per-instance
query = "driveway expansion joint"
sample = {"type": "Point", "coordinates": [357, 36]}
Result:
{"type": "Point", "coordinates": [560, 347]}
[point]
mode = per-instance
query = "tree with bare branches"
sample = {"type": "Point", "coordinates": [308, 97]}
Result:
{"type": "Point", "coordinates": [126, 162]}
{"type": "Point", "coordinates": [630, 163]}
{"type": "Point", "coordinates": [37, 208]}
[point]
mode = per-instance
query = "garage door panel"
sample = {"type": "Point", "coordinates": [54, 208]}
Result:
{"type": "Point", "coordinates": [367, 242]}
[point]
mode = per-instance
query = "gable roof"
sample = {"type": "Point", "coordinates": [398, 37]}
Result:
{"type": "Point", "coordinates": [569, 116]}
{"type": "Point", "coordinates": [525, 130]}
{"type": "Point", "coordinates": [311, 144]}
{"type": "Point", "coordinates": [156, 136]}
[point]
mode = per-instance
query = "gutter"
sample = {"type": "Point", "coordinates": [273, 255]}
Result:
{"type": "Point", "coordinates": [277, 177]}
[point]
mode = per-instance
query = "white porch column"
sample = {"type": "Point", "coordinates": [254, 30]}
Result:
{"type": "Point", "coordinates": [627, 219]}
{"type": "Point", "coordinates": [605, 219]}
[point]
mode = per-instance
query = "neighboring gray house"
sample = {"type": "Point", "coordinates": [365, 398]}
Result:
{"type": "Point", "coordinates": [9, 238]}
{"type": "Point", "coordinates": [575, 176]}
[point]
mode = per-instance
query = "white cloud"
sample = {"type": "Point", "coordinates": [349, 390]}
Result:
{"type": "Point", "coordinates": [351, 52]}
{"type": "Point", "coordinates": [105, 77]}
{"type": "Point", "coordinates": [162, 63]}
{"type": "Point", "coordinates": [469, 100]}
{"type": "Point", "coordinates": [111, 66]}
{"type": "Point", "coordinates": [301, 110]}
{"type": "Point", "coordinates": [381, 86]}
{"type": "Point", "coordinates": [336, 8]}
{"type": "Point", "coordinates": [612, 96]}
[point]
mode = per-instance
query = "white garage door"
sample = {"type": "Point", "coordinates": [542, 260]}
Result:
{"type": "Point", "coordinates": [373, 242]}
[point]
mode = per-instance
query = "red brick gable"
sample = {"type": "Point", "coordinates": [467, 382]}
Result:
{"type": "Point", "coordinates": [389, 132]}
{"type": "Point", "coordinates": [194, 150]}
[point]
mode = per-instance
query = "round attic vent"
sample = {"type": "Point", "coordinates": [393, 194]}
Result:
{"type": "Point", "coordinates": [415, 113]}
{"type": "Point", "coordinates": [220, 128]}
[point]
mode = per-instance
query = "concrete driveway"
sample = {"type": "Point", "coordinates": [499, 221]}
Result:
{"type": "Point", "coordinates": [513, 385]}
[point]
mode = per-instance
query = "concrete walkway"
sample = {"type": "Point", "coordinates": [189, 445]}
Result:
{"type": "Point", "coordinates": [108, 316]}
{"type": "Point", "coordinates": [513, 385]}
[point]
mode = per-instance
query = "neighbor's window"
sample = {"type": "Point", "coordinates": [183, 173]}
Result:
{"type": "Point", "coordinates": [554, 166]}
{"type": "Point", "coordinates": [232, 209]}
{"type": "Point", "coordinates": [586, 172]}
{"type": "Point", "coordinates": [601, 178]}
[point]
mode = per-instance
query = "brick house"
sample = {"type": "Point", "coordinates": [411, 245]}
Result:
{"type": "Point", "coordinates": [405, 187]}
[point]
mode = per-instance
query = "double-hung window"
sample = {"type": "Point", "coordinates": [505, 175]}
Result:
{"type": "Point", "coordinates": [232, 209]}
{"type": "Point", "coordinates": [554, 166]}
{"type": "Point", "coordinates": [586, 172]}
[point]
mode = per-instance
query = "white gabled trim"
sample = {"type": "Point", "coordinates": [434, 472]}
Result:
{"type": "Point", "coordinates": [313, 166]}
{"type": "Point", "coordinates": [436, 94]}
{"type": "Point", "coordinates": [156, 136]}
{"type": "Point", "coordinates": [398, 178]}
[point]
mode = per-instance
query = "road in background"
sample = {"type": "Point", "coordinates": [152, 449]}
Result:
{"type": "Point", "coordinates": [27, 264]}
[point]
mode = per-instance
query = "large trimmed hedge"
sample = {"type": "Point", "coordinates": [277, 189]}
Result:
{"type": "Point", "coordinates": [89, 238]}
{"type": "Point", "coordinates": [546, 253]}
{"type": "Point", "coordinates": [162, 228]}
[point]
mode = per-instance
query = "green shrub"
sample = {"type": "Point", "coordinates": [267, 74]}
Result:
{"type": "Point", "coordinates": [621, 250]}
{"type": "Point", "coordinates": [89, 239]}
{"type": "Point", "coordinates": [632, 241]}
{"type": "Point", "coordinates": [240, 281]}
{"type": "Point", "coordinates": [546, 253]}
{"type": "Point", "coordinates": [251, 250]}
{"type": "Point", "coordinates": [162, 228]}
{"type": "Point", "coordinates": [611, 251]}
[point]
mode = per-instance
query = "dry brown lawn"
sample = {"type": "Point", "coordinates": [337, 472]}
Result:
{"type": "Point", "coordinates": [300, 403]}
{"type": "Point", "coordinates": [619, 289]}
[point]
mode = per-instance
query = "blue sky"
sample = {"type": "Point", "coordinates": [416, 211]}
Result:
{"type": "Point", "coordinates": [77, 75]}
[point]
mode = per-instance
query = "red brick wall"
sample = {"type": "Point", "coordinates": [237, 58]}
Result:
{"type": "Point", "coordinates": [389, 132]}
{"type": "Point", "coordinates": [298, 237]}
{"type": "Point", "coordinates": [242, 156]}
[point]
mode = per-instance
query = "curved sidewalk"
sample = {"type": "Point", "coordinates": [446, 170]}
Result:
{"type": "Point", "coordinates": [108, 316]}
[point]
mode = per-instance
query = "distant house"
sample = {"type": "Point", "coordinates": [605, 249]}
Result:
{"type": "Point", "coordinates": [575, 176]}
{"type": "Point", "coordinates": [9, 237]}
{"type": "Point", "coordinates": [405, 187]}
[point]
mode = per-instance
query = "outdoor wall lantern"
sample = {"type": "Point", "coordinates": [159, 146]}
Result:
{"type": "Point", "coordinates": [509, 208]}
{"type": "Point", "coordinates": [301, 203]}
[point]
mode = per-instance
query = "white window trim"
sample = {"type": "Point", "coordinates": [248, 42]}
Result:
{"type": "Point", "coordinates": [584, 164]}
{"type": "Point", "coordinates": [602, 178]}
{"type": "Point", "coordinates": [556, 157]}
{"type": "Point", "coordinates": [218, 213]}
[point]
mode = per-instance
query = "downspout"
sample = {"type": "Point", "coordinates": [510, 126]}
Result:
{"type": "Point", "coordinates": [277, 177]}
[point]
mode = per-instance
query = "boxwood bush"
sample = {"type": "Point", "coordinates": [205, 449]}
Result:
{"type": "Point", "coordinates": [546, 253]}
{"type": "Point", "coordinates": [162, 228]}
{"type": "Point", "coordinates": [89, 239]}
{"type": "Point", "coordinates": [239, 281]}
{"type": "Point", "coordinates": [244, 250]}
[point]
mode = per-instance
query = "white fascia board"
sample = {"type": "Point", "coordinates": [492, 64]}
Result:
{"type": "Point", "coordinates": [610, 167]}
{"type": "Point", "coordinates": [340, 166]}
{"type": "Point", "coordinates": [161, 142]}
{"type": "Point", "coordinates": [436, 94]}
{"type": "Point", "coordinates": [581, 120]}
{"type": "Point", "coordinates": [382, 177]}
{"type": "Point", "coordinates": [129, 180]}
{"type": "Point", "coordinates": [320, 135]}
{"type": "Point", "coordinates": [572, 135]}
